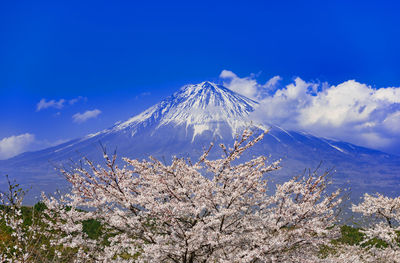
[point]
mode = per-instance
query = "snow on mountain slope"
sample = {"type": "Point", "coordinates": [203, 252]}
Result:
{"type": "Point", "coordinates": [186, 122]}
{"type": "Point", "coordinates": [202, 107]}
{"type": "Point", "coordinates": [196, 113]}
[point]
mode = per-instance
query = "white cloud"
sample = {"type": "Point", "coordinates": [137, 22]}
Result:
{"type": "Point", "coordinates": [350, 111]}
{"type": "Point", "coordinates": [227, 74]}
{"type": "Point", "coordinates": [13, 145]}
{"type": "Point", "coordinates": [392, 122]}
{"type": "Point", "coordinates": [272, 82]}
{"type": "Point", "coordinates": [75, 100]}
{"type": "Point", "coordinates": [43, 104]}
{"type": "Point", "coordinates": [82, 117]}
{"type": "Point", "coordinates": [16, 144]}
{"type": "Point", "coordinates": [248, 86]}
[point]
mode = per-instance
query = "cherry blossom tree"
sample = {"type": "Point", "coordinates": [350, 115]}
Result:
{"type": "Point", "coordinates": [21, 241]}
{"type": "Point", "coordinates": [383, 214]}
{"type": "Point", "coordinates": [208, 211]}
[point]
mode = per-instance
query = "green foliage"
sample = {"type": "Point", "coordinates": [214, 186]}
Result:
{"type": "Point", "coordinates": [39, 207]}
{"type": "Point", "coordinates": [353, 236]}
{"type": "Point", "coordinates": [92, 228]}
{"type": "Point", "coordinates": [350, 236]}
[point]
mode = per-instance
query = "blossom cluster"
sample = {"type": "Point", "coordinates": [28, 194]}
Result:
{"type": "Point", "coordinates": [210, 211]}
{"type": "Point", "coordinates": [174, 213]}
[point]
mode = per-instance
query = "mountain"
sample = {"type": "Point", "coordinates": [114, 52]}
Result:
{"type": "Point", "coordinates": [185, 123]}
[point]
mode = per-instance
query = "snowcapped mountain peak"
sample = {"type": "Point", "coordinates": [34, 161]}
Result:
{"type": "Point", "coordinates": [182, 124]}
{"type": "Point", "coordinates": [198, 107]}
{"type": "Point", "coordinates": [207, 94]}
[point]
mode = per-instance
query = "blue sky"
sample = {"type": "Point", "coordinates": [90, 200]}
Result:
{"type": "Point", "coordinates": [104, 61]}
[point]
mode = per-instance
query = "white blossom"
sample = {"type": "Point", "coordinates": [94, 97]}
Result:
{"type": "Point", "coordinates": [173, 213]}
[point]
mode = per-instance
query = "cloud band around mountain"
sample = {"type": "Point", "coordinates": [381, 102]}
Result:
{"type": "Point", "coordinates": [350, 111]}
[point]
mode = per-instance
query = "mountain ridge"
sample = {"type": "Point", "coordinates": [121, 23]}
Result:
{"type": "Point", "coordinates": [197, 114]}
{"type": "Point", "coordinates": [204, 98]}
